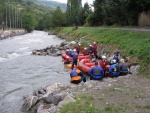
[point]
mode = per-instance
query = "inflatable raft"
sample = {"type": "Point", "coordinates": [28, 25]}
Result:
{"type": "Point", "coordinates": [80, 57]}
{"type": "Point", "coordinates": [64, 56]}
{"type": "Point", "coordinates": [85, 65]}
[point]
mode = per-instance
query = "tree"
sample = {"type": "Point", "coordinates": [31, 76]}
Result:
{"type": "Point", "coordinates": [83, 13]}
{"type": "Point", "coordinates": [58, 18]}
{"type": "Point", "coordinates": [29, 21]}
{"type": "Point", "coordinates": [98, 12]}
{"type": "Point", "coordinates": [72, 12]}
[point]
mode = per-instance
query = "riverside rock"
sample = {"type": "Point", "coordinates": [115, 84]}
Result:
{"type": "Point", "coordinates": [55, 50]}
{"type": "Point", "coordinates": [11, 33]}
{"type": "Point", "coordinates": [29, 102]}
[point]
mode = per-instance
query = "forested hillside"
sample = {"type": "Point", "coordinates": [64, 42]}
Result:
{"type": "Point", "coordinates": [23, 13]}
{"type": "Point", "coordinates": [32, 14]}
{"type": "Point", "coordinates": [53, 4]}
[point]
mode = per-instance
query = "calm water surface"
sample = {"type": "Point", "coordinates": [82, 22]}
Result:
{"type": "Point", "coordinates": [21, 73]}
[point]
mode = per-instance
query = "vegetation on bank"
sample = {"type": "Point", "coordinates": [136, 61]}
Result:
{"type": "Point", "coordinates": [18, 13]}
{"type": "Point", "coordinates": [133, 44]}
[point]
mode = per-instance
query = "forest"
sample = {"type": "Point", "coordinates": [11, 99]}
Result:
{"type": "Point", "coordinates": [31, 14]}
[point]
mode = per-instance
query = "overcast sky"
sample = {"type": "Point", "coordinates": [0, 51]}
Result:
{"type": "Point", "coordinates": [83, 1]}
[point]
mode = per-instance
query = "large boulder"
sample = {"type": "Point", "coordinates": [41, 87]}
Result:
{"type": "Point", "coordinates": [55, 99]}
{"type": "Point", "coordinates": [29, 102]}
{"type": "Point", "coordinates": [134, 69]}
{"type": "Point", "coordinates": [66, 100]}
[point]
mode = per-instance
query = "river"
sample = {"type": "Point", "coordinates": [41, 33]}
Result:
{"type": "Point", "coordinates": [21, 72]}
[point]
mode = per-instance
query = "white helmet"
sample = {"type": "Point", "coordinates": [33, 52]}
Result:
{"type": "Point", "coordinates": [67, 49]}
{"type": "Point", "coordinates": [74, 49]}
{"type": "Point", "coordinates": [67, 57]}
{"type": "Point", "coordinates": [90, 45]}
{"type": "Point", "coordinates": [85, 48]}
{"type": "Point", "coordinates": [79, 44]}
{"type": "Point", "coordinates": [103, 57]}
{"type": "Point", "coordinates": [113, 61]}
{"type": "Point", "coordinates": [94, 42]}
{"type": "Point", "coordinates": [70, 49]}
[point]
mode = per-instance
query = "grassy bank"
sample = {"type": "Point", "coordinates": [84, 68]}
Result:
{"type": "Point", "coordinates": [133, 44]}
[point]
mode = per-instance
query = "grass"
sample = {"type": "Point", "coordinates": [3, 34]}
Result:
{"type": "Point", "coordinates": [84, 105]}
{"type": "Point", "coordinates": [133, 44]}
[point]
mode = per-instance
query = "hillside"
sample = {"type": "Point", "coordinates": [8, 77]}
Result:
{"type": "Point", "coordinates": [53, 4]}
{"type": "Point", "coordinates": [22, 7]}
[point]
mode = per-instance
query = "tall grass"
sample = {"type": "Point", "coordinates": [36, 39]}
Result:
{"type": "Point", "coordinates": [134, 44]}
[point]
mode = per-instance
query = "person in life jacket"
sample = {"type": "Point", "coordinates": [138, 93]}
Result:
{"type": "Point", "coordinates": [75, 58]}
{"type": "Point", "coordinates": [95, 49]}
{"type": "Point", "coordinates": [90, 49]}
{"type": "Point", "coordinates": [66, 60]}
{"type": "Point", "coordinates": [96, 73]}
{"type": "Point", "coordinates": [77, 76]}
{"type": "Point", "coordinates": [67, 51]}
{"type": "Point", "coordinates": [70, 52]}
{"type": "Point", "coordinates": [93, 58]}
{"type": "Point", "coordinates": [124, 67]}
{"type": "Point", "coordinates": [104, 64]}
{"type": "Point", "coordinates": [84, 51]}
{"type": "Point", "coordinates": [116, 56]}
{"type": "Point", "coordinates": [78, 48]}
{"type": "Point", "coordinates": [114, 70]}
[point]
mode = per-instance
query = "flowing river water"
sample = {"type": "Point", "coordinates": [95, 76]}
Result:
{"type": "Point", "coordinates": [21, 72]}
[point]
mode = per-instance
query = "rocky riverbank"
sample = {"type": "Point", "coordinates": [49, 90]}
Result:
{"type": "Point", "coordinates": [11, 33]}
{"type": "Point", "coordinates": [124, 89]}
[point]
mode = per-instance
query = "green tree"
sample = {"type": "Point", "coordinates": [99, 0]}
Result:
{"type": "Point", "coordinates": [72, 12]}
{"type": "Point", "coordinates": [58, 18]}
{"type": "Point", "coordinates": [29, 21]}
{"type": "Point", "coordinates": [83, 13]}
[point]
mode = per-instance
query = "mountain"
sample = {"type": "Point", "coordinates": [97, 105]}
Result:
{"type": "Point", "coordinates": [53, 4]}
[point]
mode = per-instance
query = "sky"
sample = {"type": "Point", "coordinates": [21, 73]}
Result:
{"type": "Point", "coordinates": [83, 1]}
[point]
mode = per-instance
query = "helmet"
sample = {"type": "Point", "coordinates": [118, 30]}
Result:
{"type": "Point", "coordinates": [67, 49]}
{"type": "Point", "coordinates": [122, 60]}
{"type": "Point", "coordinates": [79, 44]}
{"type": "Point", "coordinates": [70, 49]}
{"type": "Point", "coordinates": [74, 49]}
{"type": "Point", "coordinates": [113, 61]}
{"type": "Point", "coordinates": [85, 48]}
{"type": "Point", "coordinates": [94, 42]}
{"type": "Point", "coordinates": [67, 57]}
{"type": "Point", "coordinates": [90, 45]}
{"type": "Point", "coordinates": [103, 57]}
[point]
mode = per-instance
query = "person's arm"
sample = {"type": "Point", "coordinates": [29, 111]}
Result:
{"type": "Point", "coordinates": [110, 69]}
{"type": "Point", "coordinates": [91, 71]}
{"type": "Point", "coordinates": [102, 72]}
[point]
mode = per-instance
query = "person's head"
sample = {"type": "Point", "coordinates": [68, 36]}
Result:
{"type": "Point", "coordinates": [70, 49]}
{"type": "Point", "coordinates": [122, 60]}
{"type": "Point", "coordinates": [74, 68]}
{"type": "Point", "coordinates": [90, 45]}
{"type": "Point", "coordinates": [113, 61]}
{"type": "Point", "coordinates": [74, 50]}
{"type": "Point", "coordinates": [115, 53]}
{"type": "Point", "coordinates": [67, 57]}
{"type": "Point", "coordinates": [126, 59]}
{"type": "Point", "coordinates": [85, 48]}
{"type": "Point", "coordinates": [67, 49]}
{"type": "Point", "coordinates": [79, 44]}
{"type": "Point", "coordinates": [96, 63]}
{"type": "Point", "coordinates": [104, 57]}
{"type": "Point", "coordinates": [94, 42]}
